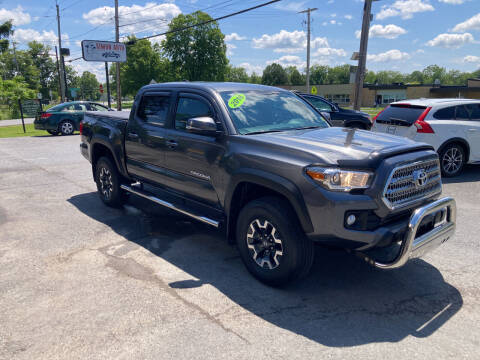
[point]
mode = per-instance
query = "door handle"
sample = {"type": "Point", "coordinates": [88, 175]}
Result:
{"type": "Point", "coordinates": [172, 144]}
{"type": "Point", "coordinates": [473, 130]}
{"type": "Point", "coordinates": [133, 135]}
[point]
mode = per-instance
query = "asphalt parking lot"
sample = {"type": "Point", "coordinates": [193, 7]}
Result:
{"type": "Point", "coordinates": [80, 280]}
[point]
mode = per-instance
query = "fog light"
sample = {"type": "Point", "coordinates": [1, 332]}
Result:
{"type": "Point", "coordinates": [351, 220]}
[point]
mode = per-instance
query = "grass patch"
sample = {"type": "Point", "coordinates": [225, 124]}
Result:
{"type": "Point", "coordinates": [17, 131]}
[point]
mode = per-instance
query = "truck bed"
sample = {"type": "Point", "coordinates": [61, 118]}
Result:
{"type": "Point", "coordinates": [114, 115]}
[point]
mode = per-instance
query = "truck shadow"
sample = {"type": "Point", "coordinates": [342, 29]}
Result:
{"type": "Point", "coordinates": [469, 174]}
{"type": "Point", "coordinates": [343, 302]}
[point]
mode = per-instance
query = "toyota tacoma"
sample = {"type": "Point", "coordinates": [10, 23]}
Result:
{"type": "Point", "coordinates": [264, 166]}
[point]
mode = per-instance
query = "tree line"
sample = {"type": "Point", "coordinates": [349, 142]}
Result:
{"type": "Point", "coordinates": [196, 53]}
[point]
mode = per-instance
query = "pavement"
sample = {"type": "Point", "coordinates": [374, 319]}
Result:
{"type": "Point", "coordinates": [16, 121]}
{"type": "Point", "coordinates": [80, 280]}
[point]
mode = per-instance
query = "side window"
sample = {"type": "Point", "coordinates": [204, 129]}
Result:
{"type": "Point", "coordinates": [154, 109]}
{"type": "Point", "coordinates": [461, 113]}
{"type": "Point", "coordinates": [320, 104]}
{"type": "Point", "coordinates": [68, 108]}
{"type": "Point", "coordinates": [188, 108]}
{"type": "Point", "coordinates": [474, 111]}
{"type": "Point", "coordinates": [98, 107]}
{"type": "Point", "coordinates": [80, 107]}
{"type": "Point", "coordinates": [447, 113]}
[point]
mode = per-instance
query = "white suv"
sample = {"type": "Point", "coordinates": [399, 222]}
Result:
{"type": "Point", "coordinates": [451, 126]}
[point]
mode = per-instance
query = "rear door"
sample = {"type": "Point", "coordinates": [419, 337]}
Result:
{"type": "Point", "coordinates": [473, 131]}
{"type": "Point", "coordinates": [192, 160]}
{"type": "Point", "coordinates": [145, 137]}
{"type": "Point", "coordinates": [399, 119]}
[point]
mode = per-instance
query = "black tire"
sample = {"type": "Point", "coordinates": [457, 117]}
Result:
{"type": "Point", "coordinates": [452, 160]}
{"type": "Point", "coordinates": [283, 262]}
{"type": "Point", "coordinates": [66, 127]}
{"type": "Point", "coordinates": [52, 132]}
{"type": "Point", "coordinates": [108, 183]}
{"type": "Point", "coordinates": [359, 126]}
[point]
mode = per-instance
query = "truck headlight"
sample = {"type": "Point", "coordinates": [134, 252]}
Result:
{"type": "Point", "coordinates": [338, 179]}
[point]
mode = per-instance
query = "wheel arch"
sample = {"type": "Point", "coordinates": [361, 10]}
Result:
{"type": "Point", "coordinates": [459, 141]}
{"type": "Point", "coordinates": [101, 147]}
{"type": "Point", "coordinates": [253, 184]}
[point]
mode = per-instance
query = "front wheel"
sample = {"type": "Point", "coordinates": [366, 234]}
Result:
{"type": "Point", "coordinates": [452, 160]}
{"type": "Point", "coordinates": [271, 242]}
{"type": "Point", "coordinates": [108, 183]}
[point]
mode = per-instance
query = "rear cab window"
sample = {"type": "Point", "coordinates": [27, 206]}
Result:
{"type": "Point", "coordinates": [154, 109]}
{"type": "Point", "coordinates": [400, 114]}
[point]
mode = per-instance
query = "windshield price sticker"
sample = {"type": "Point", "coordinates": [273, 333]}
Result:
{"type": "Point", "coordinates": [236, 100]}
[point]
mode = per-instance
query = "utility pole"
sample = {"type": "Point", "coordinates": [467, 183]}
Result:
{"type": "Point", "coordinates": [61, 74]}
{"type": "Point", "coordinates": [117, 65]}
{"type": "Point", "coordinates": [362, 55]}
{"type": "Point", "coordinates": [308, 11]}
{"type": "Point", "coordinates": [58, 71]}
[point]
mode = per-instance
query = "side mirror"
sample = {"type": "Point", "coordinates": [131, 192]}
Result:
{"type": "Point", "coordinates": [326, 115]}
{"type": "Point", "coordinates": [202, 125]}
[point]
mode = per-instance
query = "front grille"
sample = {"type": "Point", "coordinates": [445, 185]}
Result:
{"type": "Point", "coordinates": [413, 182]}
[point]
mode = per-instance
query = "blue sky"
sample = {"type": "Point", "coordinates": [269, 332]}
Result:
{"type": "Point", "coordinates": [406, 35]}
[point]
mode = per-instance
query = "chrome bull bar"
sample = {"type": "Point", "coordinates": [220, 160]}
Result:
{"type": "Point", "coordinates": [412, 246]}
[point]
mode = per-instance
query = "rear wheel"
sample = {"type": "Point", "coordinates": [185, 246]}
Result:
{"type": "Point", "coordinates": [452, 160]}
{"type": "Point", "coordinates": [108, 183]}
{"type": "Point", "coordinates": [52, 132]}
{"type": "Point", "coordinates": [271, 242]}
{"type": "Point", "coordinates": [67, 127]}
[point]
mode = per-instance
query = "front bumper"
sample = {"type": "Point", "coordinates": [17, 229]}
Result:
{"type": "Point", "coordinates": [413, 246]}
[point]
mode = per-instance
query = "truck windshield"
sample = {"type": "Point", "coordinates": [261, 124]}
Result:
{"type": "Point", "coordinates": [269, 111]}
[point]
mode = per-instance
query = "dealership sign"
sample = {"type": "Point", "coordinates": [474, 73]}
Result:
{"type": "Point", "coordinates": [105, 51]}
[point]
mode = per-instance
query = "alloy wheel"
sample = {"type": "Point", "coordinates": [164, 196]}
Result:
{"type": "Point", "coordinates": [67, 128]}
{"type": "Point", "coordinates": [265, 244]}
{"type": "Point", "coordinates": [106, 183]}
{"type": "Point", "coordinates": [452, 160]}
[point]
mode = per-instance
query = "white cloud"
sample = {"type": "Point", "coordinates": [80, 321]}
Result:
{"type": "Point", "coordinates": [451, 41]}
{"type": "Point", "coordinates": [24, 36]}
{"type": "Point", "coordinates": [404, 8]}
{"type": "Point", "coordinates": [97, 68]}
{"type": "Point", "coordinates": [388, 31]}
{"type": "Point", "coordinates": [288, 42]}
{"type": "Point", "coordinates": [234, 36]}
{"type": "Point", "coordinates": [453, 2]}
{"type": "Point", "coordinates": [230, 48]}
{"type": "Point", "coordinates": [249, 68]}
{"type": "Point", "coordinates": [329, 52]}
{"type": "Point", "coordinates": [471, 24]}
{"type": "Point", "coordinates": [289, 60]}
{"type": "Point", "coordinates": [17, 15]}
{"type": "Point", "coordinates": [472, 59]}
{"type": "Point", "coordinates": [390, 55]}
{"type": "Point", "coordinates": [152, 17]}
{"type": "Point", "coordinates": [348, 17]}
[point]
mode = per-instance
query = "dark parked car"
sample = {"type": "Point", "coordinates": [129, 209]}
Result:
{"type": "Point", "coordinates": [339, 116]}
{"type": "Point", "coordinates": [264, 166]}
{"type": "Point", "coordinates": [65, 118]}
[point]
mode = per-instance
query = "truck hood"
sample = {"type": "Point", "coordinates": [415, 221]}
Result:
{"type": "Point", "coordinates": [343, 146]}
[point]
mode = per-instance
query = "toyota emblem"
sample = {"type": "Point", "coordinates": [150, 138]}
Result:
{"type": "Point", "coordinates": [420, 178]}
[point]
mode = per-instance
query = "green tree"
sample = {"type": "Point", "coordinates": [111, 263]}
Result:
{"type": "Point", "coordinates": [416, 77]}
{"type": "Point", "coordinates": [294, 76]}
{"type": "Point", "coordinates": [89, 86]}
{"type": "Point", "coordinates": [6, 30]}
{"type": "Point", "coordinates": [197, 53]}
{"type": "Point", "coordinates": [12, 90]}
{"type": "Point", "coordinates": [434, 72]}
{"type": "Point", "coordinates": [236, 74]}
{"type": "Point", "coordinates": [274, 74]}
{"type": "Point", "coordinates": [318, 74]}
{"type": "Point", "coordinates": [143, 64]}
{"type": "Point", "coordinates": [339, 74]}
{"type": "Point", "coordinates": [44, 64]}
{"type": "Point", "coordinates": [255, 79]}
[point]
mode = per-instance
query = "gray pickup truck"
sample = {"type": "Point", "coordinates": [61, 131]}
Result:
{"type": "Point", "coordinates": [262, 165]}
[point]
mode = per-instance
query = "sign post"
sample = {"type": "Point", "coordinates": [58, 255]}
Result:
{"type": "Point", "coordinates": [108, 85]}
{"type": "Point", "coordinates": [21, 114]}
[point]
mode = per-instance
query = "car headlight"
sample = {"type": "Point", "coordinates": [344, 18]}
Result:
{"type": "Point", "coordinates": [338, 179]}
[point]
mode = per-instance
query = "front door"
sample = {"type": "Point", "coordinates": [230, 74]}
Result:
{"type": "Point", "coordinates": [145, 137]}
{"type": "Point", "coordinates": [192, 160]}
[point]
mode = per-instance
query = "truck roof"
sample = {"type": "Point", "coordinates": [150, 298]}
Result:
{"type": "Point", "coordinates": [215, 86]}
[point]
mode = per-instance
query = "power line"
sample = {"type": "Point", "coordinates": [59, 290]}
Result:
{"type": "Point", "coordinates": [208, 21]}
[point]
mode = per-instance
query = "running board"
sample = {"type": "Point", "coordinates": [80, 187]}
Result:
{"type": "Point", "coordinates": [169, 205]}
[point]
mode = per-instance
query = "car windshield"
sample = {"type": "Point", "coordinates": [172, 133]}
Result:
{"type": "Point", "coordinates": [268, 111]}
